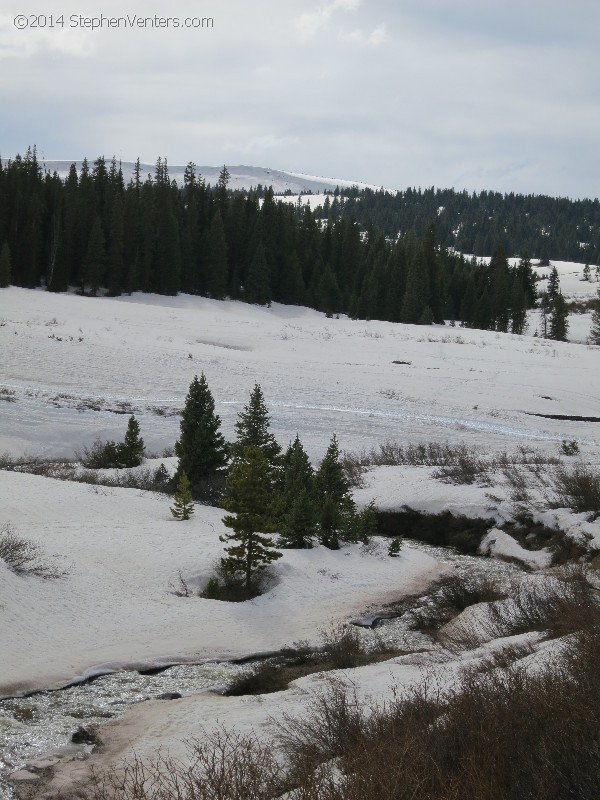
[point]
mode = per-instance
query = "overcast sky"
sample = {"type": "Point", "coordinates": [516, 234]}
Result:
{"type": "Point", "coordinates": [496, 94]}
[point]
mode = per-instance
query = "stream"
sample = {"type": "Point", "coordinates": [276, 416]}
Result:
{"type": "Point", "coordinates": [43, 723]}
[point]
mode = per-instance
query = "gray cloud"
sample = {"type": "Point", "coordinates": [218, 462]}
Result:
{"type": "Point", "coordinates": [472, 93]}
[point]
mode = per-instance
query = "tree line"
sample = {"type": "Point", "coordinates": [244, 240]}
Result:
{"type": "Point", "coordinates": [92, 232]}
{"type": "Point", "coordinates": [477, 222]}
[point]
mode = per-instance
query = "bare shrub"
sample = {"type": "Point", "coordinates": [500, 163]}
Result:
{"type": "Point", "coordinates": [24, 557]}
{"type": "Point", "coordinates": [342, 646]}
{"type": "Point", "coordinates": [451, 595]}
{"type": "Point", "coordinates": [499, 734]}
{"type": "Point", "coordinates": [224, 766]}
{"type": "Point", "coordinates": [557, 605]}
{"type": "Point", "coordinates": [579, 489]}
{"type": "Point", "coordinates": [465, 467]}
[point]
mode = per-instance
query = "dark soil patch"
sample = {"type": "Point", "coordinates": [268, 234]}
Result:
{"type": "Point", "coordinates": [445, 529]}
{"type": "Point", "coordinates": [564, 417]}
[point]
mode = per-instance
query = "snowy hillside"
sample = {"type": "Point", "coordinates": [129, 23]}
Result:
{"type": "Point", "coordinates": [73, 367]}
{"type": "Point", "coordinates": [241, 176]}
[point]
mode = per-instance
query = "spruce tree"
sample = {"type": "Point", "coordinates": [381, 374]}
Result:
{"type": "Point", "coordinates": [518, 306]}
{"type": "Point", "coordinates": [94, 262]}
{"type": "Point", "coordinates": [216, 259]}
{"type": "Point", "coordinates": [5, 269]}
{"type": "Point", "coordinates": [559, 319]}
{"type": "Point", "coordinates": [295, 504]}
{"type": "Point", "coordinates": [553, 284]}
{"type": "Point", "coordinates": [336, 507]}
{"type": "Point", "coordinates": [183, 506]}
{"type": "Point", "coordinates": [595, 329]}
{"type": "Point", "coordinates": [131, 451]}
{"type": "Point", "coordinates": [417, 289]}
{"type": "Point", "coordinates": [252, 428]}
{"type": "Point", "coordinates": [257, 288]}
{"type": "Point", "coordinates": [249, 495]}
{"type": "Point", "coordinates": [201, 447]}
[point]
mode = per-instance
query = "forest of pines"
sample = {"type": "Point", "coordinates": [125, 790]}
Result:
{"type": "Point", "coordinates": [93, 232]}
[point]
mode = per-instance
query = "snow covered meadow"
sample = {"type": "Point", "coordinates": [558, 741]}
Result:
{"type": "Point", "coordinates": [73, 367]}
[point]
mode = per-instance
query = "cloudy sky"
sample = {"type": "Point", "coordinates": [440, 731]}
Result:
{"type": "Point", "coordinates": [466, 93]}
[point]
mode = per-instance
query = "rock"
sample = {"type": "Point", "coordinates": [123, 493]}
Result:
{"type": "Point", "coordinates": [85, 735]}
{"type": "Point", "coordinates": [169, 696]}
{"type": "Point", "coordinates": [24, 775]}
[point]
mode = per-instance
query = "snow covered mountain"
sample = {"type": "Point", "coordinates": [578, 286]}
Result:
{"type": "Point", "coordinates": [242, 177]}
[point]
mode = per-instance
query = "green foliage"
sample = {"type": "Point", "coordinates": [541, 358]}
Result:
{"type": "Point", "coordinates": [559, 318]}
{"type": "Point", "coordinates": [249, 499]}
{"type": "Point", "coordinates": [131, 451]}
{"type": "Point", "coordinates": [201, 446]}
{"type": "Point", "coordinates": [336, 506]}
{"type": "Point", "coordinates": [113, 455]}
{"type": "Point", "coordinates": [295, 504]}
{"type": "Point", "coordinates": [183, 506]}
{"type": "Point", "coordinates": [595, 329]}
{"type": "Point", "coordinates": [569, 448]}
{"type": "Point", "coordinates": [5, 267]}
{"type": "Point", "coordinates": [395, 546]}
{"type": "Point", "coordinates": [94, 263]}
{"type": "Point", "coordinates": [252, 428]}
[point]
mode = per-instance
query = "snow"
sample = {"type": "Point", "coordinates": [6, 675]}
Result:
{"type": "Point", "coordinates": [77, 366]}
{"type": "Point", "coordinates": [241, 176]}
{"type": "Point", "coordinates": [498, 544]}
{"type": "Point", "coordinates": [122, 551]}
{"type": "Point", "coordinates": [65, 355]}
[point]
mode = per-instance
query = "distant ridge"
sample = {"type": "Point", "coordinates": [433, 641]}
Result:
{"type": "Point", "coordinates": [242, 177]}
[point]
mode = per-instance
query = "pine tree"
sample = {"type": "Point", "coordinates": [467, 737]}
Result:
{"type": "Point", "coordinates": [336, 510]}
{"type": "Point", "coordinates": [257, 288]}
{"type": "Point", "coordinates": [417, 289]}
{"type": "Point", "coordinates": [183, 506]}
{"type": "Point", "coordinates": [559, 319]}
{"type": "Point", "coordinates": [595, 330]}
{"type": "Point", "coordinates": [295, 506]}
{"type": "Point", "coordinates": [94, 262]}
{"type": "Point", "coordinates": [131, 451]}
{"type": "Point", "coordinates": [201, 447]}
{"type": "Point", "coordinates": [249, 494]}
{"type": "Point", "coordinates": [115, 249]}
{"type": "Point", "coordinates": [518, 309]}
{"type": "Point", "coordinates": [553, 284]}
{"type": "Point", "coordinates": [216, 259]}
{"type": "Point", "coordinates": [5, 267]}
{"type": "Point", "coordinates": [252, 428]}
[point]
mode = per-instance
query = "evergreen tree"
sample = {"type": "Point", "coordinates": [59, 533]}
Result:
{"type": "Point", "coordinates": [295, 504]}
{"type": "Point", "coordinates": [257, 288]}
{"type": "Point", "coordinates": [131, 450]}
{"type": "Point", "coordinates": [5, 267]}
{"type": "Point", "coordinates": [417, 289]}
{"type": "Point", "coordinates": [216, 259]}
{"type": "Point", "coordinates": [183, 506]}
{"type": "Point", "coordinates": [336, 507]}
{"type": "Point", "coordinates": [595, 330]}
{"type": "Point", "coordinates": [518, 308]}
{"type": "Point", "coordinates": [501, 288]}
{"type": "Point", "coordinates": [559, 319]}
{"type": "Point", "coordinates": [201, 447]}
{"type": "Point", "coordinates": [249, 493]}
{"type": "Point", "coordinates": [115, 249]}
{"type": "Point", "coordinates": [553, 284]}
{"type": "Point", "coordinates": [545, 306]}
{"type": "Point", "coordinates": [95, 259]}
{"type": "Point", "coordinates": [252, 428]}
